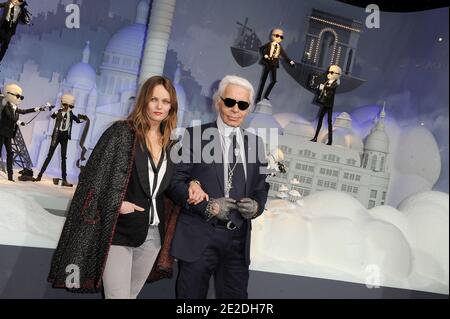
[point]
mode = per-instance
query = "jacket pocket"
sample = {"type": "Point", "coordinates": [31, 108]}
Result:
{"type": "Point", "coordinates": [89, 212]}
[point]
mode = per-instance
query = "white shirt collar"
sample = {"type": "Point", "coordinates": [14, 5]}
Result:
{"type": "Point", "coordinates": [224, 129]}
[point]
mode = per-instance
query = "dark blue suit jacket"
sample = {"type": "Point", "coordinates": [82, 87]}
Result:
{"type": "Point", "coordinates": [193, 230]}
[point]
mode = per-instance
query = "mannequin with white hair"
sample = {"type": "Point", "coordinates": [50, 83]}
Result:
{"type": "Point", "coordinates": [61, 135]}
{"type": "Point", "coordinates": [325, 92]}
{"type": "Point", "coordinates": [9, 120]}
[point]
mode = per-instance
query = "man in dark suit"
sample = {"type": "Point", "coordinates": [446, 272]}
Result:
{"type": "Point", "coordinates": [62, 133]}
{"type": "Point", "coordinates": [14, 11]}
{"type": "Point", "coordinates": [212, 236]}
{"type": "Point", "coordinates": [271, 53]}
{"type": "Point", "coordinates": [9, 121]}
{"type": "Point", "coordinates": [325, 90]}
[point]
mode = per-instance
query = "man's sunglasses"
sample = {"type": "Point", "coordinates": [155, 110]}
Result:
{"type": "Point", "coordinates": [18, 96]}
{"type": "Point", "coordinates": [332, 72]}
{"type": "Point", "coordinates": [278, 36]}
{"type": "Point", "coordinates": [68, 105]}
{"type": "Point", "coordinates": [243, 105]}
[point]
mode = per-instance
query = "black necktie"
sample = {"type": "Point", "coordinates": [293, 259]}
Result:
{"type": "Point", "coordinates": [64, 124]}
{"type": "Point", "coordinates": [11, 16]}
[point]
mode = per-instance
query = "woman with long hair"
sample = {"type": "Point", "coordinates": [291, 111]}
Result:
{"type": "Point", "coordinates": [116, 221]}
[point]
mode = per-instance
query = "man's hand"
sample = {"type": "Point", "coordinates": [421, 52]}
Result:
{"type": "Point", "coordinates": [292, 63]}
{"type": "Point", "coordinates": [196, 194]}
{"type": "Point", "coordinates": [247, 207]}
{"type": "Point", "coordinates": [127, 208]}
{"type": "Point", "coordinates": [266, 57]}
{"type": "Point", "coordinates": [221, 207]}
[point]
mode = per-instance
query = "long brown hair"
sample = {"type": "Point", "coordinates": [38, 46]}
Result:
{"type": "Point", "coordinates": [139, 118]}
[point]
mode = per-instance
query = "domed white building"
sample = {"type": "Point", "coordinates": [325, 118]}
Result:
{"type": "Point", "coordinates": [120, 68]}
{"type": "Point", "coordinates": [105, 98]}
{"type": "Point", "coordinates": [376, 147]}
{"type": "Point", "coordinates": [319, 167]}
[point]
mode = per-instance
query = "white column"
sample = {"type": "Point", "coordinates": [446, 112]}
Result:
{"type": "Point", "coordinates": [158, 36]}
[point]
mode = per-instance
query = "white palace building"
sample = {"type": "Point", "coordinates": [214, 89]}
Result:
{"type": "Point", "coordinates": [359, 168]}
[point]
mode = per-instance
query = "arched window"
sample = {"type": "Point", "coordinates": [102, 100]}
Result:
{"type": "Point", "coordinates": [382, 164]}
{"type": "Point", "coordinates": [373, 165]}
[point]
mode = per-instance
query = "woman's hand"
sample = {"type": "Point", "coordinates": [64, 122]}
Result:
{"type": "Point", "coordinates": [196, 194]}
{"type": "Point", "coordinates": [127, 208]}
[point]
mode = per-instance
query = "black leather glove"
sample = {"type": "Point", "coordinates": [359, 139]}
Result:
{"type": "Point", "coordinates": [223, 205]}
{"type": "Point", "coordinates": [247, 207]}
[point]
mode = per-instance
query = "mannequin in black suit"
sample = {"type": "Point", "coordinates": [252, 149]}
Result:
{"type": "Point", "coordinates": [14, 12]}
{"type": "Point", "coordinates": [325, 91]}
{"type": "Point", "coordinates": [61, 135]}
{"type": "Point", "coordinates": [9, 121]}
{"type": "Point", "coordinates": [271, 53]}
{"type": "Point", "coordinates": [212, 236]}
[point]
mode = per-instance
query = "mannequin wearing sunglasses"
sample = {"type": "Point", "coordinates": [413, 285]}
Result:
{"type": "Point", "coordinates": [14, 12]}
{"type": "Point", "coordinates": [9, 120]}
{"type": "Point", "coordinates": [61, 135]}
{"type": "Point", "coordinates": [271, 53]}
{"type": "Point", "coordinates": [325, 92]}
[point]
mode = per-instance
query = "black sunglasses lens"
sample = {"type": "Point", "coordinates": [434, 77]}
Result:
{"type": "Point", "coordinates": [229, 102]}
{"type": "Point", "coordinates": [243, 105]}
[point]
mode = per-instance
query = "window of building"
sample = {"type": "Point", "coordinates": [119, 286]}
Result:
{"type": "Point", "coordinates": [382, 164]}
{"type": "Point", "coordinates": [326, 184]}
{"type": "Point", "coordinates": [298, 166]}
{"type": "Point", "coordinates": [300, 152]}
{"type": "Point", "coordinates": [373, 166]}
{"type": "Point", "coordinates": [335, 173]}
{"type": "Point", "coordinates": [371, 203]}
{"type": "Point", "coordinates": [383, 197]}
{"type": "Point", "coordinates": [311, 169]}
{"type": "Point", "coordinates": [373, 193]}
{"type": "Point", "coordinates": [358, 178]}
{"type": "Point", "coordinates": [366, 158]}
{"type": "Point", "coordinates": [308, 180]}
{"type": "Point", "coordinates": [313, 155]}
{"type": "Point", "coordinates": [346, 175]}
{"type": "Point", "coordinates": [116, 60]}
{"type": "Point", "coordinates": [352, 177]}
{"type": "Point", "coordinates": [333, 185]}
{"type": "Point", "coordinates": [322, 171]}
{"type": "Point", "coordinates": [276, 187]}
{"type": "Point", "coordinates": [297, 177]}
{"type": "Point", "coordinates": [320, 182]}
{"type": "Point", "coordinates": [355, 190]}
{"type": "Point", "coordinates": [338, 159]}
{"type": "Point", "coordinates": [344, 188]}
{"type": "Point", "coordinates": [349, 189]}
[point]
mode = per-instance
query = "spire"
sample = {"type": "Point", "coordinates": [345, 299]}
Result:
{"type": "Point", "coordinates": [142, 12]}
{"type": "Point", "coordinates": [177, 76]}
{"type": "Point", "coordinates": [380, 124]}
{"type": "Point", "coordinates": [86, 53]}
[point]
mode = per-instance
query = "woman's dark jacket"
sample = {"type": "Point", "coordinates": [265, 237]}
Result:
{"type": "Point", "coordinates": [91, 222]}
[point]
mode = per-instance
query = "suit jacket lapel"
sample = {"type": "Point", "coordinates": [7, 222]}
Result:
{"type": "Point", "coordinates": [141, 161]}
{"type": "Point", "coordinates": [167, 175]}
